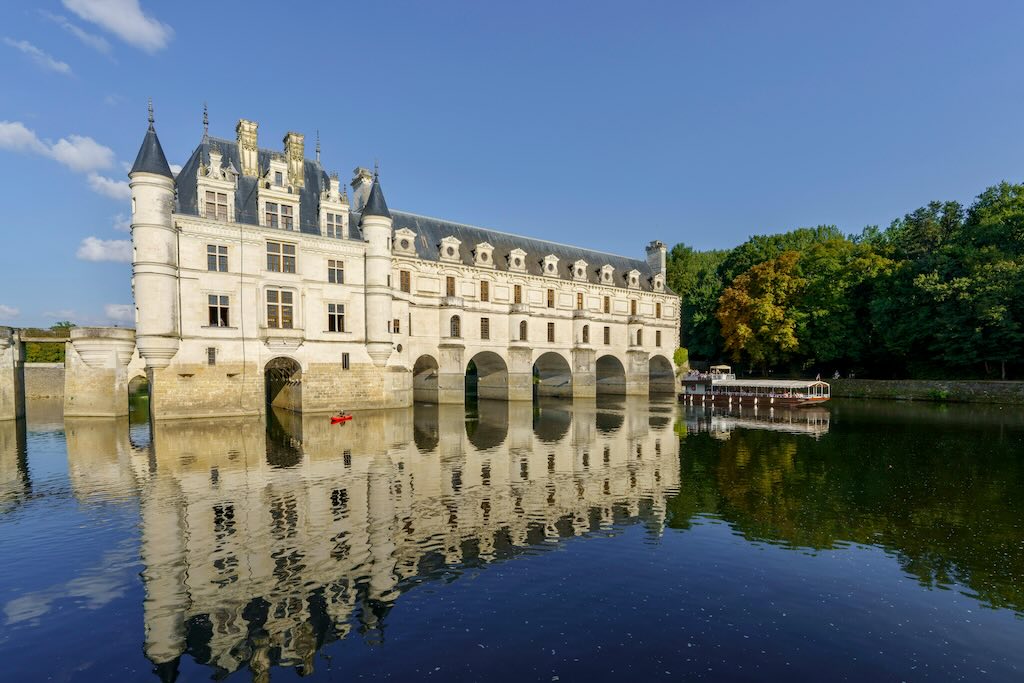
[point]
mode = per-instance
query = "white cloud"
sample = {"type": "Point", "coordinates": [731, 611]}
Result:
{"type": "Point", "coordinates": [16, 137]}
{"type": "Point", "coordinates": [112, 100]}
{"type": "Point", "coordinates": [115, 189]}
{"type": "Point", "coordinates": [82, 154]}
{"type": "Point", "coordinates": [95, 249]}
{"type": "Point", "coordinates": [39, 57]}
{"type": "Point", "coordinates": [79, 153]}
{"type": "Point", "coordinates": [98, 43]}
{"type": "Point", "coordinates": [122, 313]}
{"type": "Point", "coordinates": [9, 311]}
{"type": "Point", "coordinates": [126, 20]}
{"type": "Point", "coordinates": [122, 223]}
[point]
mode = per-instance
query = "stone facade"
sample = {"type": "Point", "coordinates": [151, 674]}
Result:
{"type": "Point", "coordinates": [256, 281]}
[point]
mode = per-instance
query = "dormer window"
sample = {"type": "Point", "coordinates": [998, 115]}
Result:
{"type": "Point", "coordinates": [279, 216]}
{"type": "Point", "coordinates": [484, 255]}
{"type": "Point", "coordinates": [633, 279]}
{"type": "Point", "coordinates": [579, 271]}
{"type": "Point", "coordinates": [607, 273]}
{"type": "Point", "coordinates": [217, 205]}
{"type": "Point", "coordinates": [550, 265]}
{"type": "Point", "coordinates": [278, 178]}
{"type": "Point", "coordinates": [450, 249]}
{"type": "Point", "coordinates": [334, 224]}
{"type": "Point", "coordinates": [659, 283]}
{"type": "Point", "coordinates": [405, 241]}
{"type": "Point", "coordinates": [517, 260]}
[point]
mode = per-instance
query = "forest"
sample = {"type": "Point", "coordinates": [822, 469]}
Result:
{"type": "Point", "coordinates": [939, 293]}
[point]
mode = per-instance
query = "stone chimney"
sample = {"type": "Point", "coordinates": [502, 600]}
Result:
{"type": "Point", "coordinates": [295, 153]}
{"type": "Point", "coordinates": [656, 257]}
{"type": "Point", "coordinates": [362, 179]}
{"type": "Point", "coordinates": [247, 148]}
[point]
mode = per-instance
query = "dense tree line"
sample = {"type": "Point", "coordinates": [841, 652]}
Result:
{"type": "Point", "coordinates": [940, 292]}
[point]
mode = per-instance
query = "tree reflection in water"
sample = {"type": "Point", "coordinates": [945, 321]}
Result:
{"type": "Point", "coordinates": [941, 488]}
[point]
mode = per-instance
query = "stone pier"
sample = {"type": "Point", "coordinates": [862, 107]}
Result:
{"type": "Point", "coordinates": [12, 375]}
{"type": "Point", "coordinates": [96, 371]}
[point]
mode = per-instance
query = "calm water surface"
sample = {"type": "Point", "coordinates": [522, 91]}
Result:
{"type": "Point", "coordinates": [616, 541]}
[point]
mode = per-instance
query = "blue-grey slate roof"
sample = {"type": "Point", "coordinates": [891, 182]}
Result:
{"type": "Point", "coordinates": [429, 231]}
{"type": "Point", "coordinates": [150, 158]}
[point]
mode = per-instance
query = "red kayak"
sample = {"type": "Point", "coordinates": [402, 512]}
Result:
{"type": "Point", "coordinates": [335, 419]}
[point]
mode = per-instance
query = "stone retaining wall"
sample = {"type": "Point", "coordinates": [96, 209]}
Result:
{"type": "Point", "coordinates": [930, 390]}
{"type": "Point", "coordinates": [44, 380]}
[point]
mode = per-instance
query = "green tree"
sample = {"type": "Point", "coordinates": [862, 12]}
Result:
{"type": "Point", "coordinates": [757, 312]}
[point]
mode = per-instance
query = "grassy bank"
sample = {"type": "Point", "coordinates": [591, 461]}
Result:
{"type": "Point", "coordinates": [930, 390]}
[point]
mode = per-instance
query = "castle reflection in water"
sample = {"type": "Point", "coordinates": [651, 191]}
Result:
{"type": "Point", "coordinates": [260, 545]}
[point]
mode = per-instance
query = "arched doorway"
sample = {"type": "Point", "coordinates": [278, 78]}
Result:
{"type": "Point", "coordinates": [661, 377]}
{"type": "Point", "coordinates": [424, 379]}
{"type": "Point", "coordinates": [138, 400]}
{"type": "Point", "coordinates": [283, 380]}
{"type": "Point", "coordinates": [552, 376]}
{"type": "Point", "coordinates": [611, 376]}
{"type": "Point", "coordinates": [487, 376]}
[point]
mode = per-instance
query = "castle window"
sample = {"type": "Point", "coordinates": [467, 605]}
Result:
{"type": "Point", "coordinates": [450, 286]}
{"type": "Point", "coordinates": [456, 327]}
{"type": "Point", "coordinates": [518, 294]}
{"type": "Point", "coordinates": [345, 366]}
{"type": "Point", "coordinates": [607, 335]}
{"type": "Point", "coordinates": [551, 298]}
{"type": "Point", "coordinates": [211, 355]}
{"type": "Point", "coordinates": [335, 225]}
{"type": "Point", "coordinates": [218, 309]}
{"type": "Point", "coordinates": [336, 272]}
{"type": "Point", "coordinates": [280, 309]}
{"type": "Point", "coordinates": [485, 328]}
{"type": "Point", "coordinates": [639, 337]}
{"type": "Point", "coordinates": [657, 310]}
{"type": "Point", "coordinates": [579, 301]}
{"type": "Point", "coordinates": [607, 304]}
{"type": "Point", "coordinates": [586, 334]}
{"type": "Point", "coordinates": [280, 216]}
{"type": "Point", "coordinates": [522, 330]}
{"type": "Point", "coordinates": [278, 178]}
{"type": "Point", "coordinates": [551, 332]}
{"type": "Point", "coordinates": [216, 258]}
{"type": "Point", "coordinates": [485, 290]}
{"type": "Point", "coordinates": [632, 306]}
{"type": "Point", "coordinates": [657, 338]}
{"type": "Point", "coordinates": [396, 326]}
{"type": "Point", "coordinates": [404, 281]}
{"type": "Point", "coordinates": [280, 257]}
{"type": "Point", "coordinates": [335, 317]}
{"type": "Point", "coordinates": [217, 205]}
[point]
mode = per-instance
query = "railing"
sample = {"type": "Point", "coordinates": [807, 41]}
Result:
{"type": "Point", "coordinates": [453, 302]}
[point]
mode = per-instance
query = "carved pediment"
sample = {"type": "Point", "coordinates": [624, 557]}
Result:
{"type": "Point", "coordinates": [550, 265]}
{"type": "Point", "coordinates": [517, 260]}
{"type": "Point", "coordinates": [449, 249]}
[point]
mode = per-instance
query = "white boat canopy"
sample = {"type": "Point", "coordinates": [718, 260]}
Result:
{"type": "Point", "coordinates": [770, 383]}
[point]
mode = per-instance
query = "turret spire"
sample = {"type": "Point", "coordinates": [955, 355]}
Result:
{"type": "Point", "coordinates": [206, 122]}
{"type": "Point", "coordinates": [375, 204]}
{"type": "Point", "coordinates": [318, 145]}
{"type": "Point", "coordinates": [151, 157]}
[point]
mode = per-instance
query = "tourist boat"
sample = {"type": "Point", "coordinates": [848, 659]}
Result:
{"type": "Point", "coordinates": [721, 387]}
{"type": "Point", "coordinates": [343, 417]}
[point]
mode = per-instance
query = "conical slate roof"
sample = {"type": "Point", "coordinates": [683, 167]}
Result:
{"type": "Point", "coordinates": [151, 157]}
{"type": "Point", "coordinates": [375, 204]}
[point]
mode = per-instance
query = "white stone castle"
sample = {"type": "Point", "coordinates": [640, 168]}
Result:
{"type": "Point", "coordinates": [258, 279]}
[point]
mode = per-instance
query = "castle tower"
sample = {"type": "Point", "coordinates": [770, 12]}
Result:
{"type": "Point", "coordinates": [154, 253]}
{"type": "Point", "coordinates": [376, 225]}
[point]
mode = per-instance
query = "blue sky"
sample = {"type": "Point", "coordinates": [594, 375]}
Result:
{"type": "Point", "coordinates": [600, 124]}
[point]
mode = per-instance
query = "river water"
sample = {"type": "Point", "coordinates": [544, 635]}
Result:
{"type": "Point", "coordinates": [567, 542]}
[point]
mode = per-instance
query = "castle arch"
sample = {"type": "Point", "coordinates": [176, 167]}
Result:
{"type": "Point", "coordinates": [487, 376]}
{"type": "Point", "coordinates": [283, 382]}
{"type": "Point", "coordinates": [424, 379]}
{"type": "Point", "coordinates": [611, 376]}
{"type": "Point", "coordinates": [661, 376]}
{"type": "Point", "coordinates": [552, 375]}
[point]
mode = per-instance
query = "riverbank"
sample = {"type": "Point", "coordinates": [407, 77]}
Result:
{"type": "Point", "coordinates": [930, 390]}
